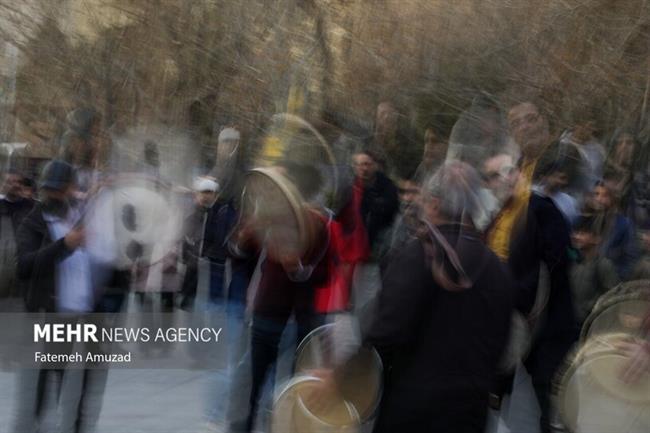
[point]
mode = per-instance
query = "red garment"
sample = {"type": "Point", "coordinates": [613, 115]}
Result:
{"type": "Point", "coordinates": [348, 246]}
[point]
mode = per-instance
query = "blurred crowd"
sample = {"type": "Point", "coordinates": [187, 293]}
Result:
{"type": "Point", "coordinates": [434, 244]}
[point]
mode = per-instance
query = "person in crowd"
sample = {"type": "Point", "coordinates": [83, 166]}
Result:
{"type": "Point", "coordinates": [52, 259]}
{"type": "Point", "coordinates": [379, 206]}
{"type": "Point", "coordinates": [442, 277]}
{"type": "Point", "coordinates": [80, 145]}
{"type": "Point", "coordinates": [206, 236]}
{"type": "Point", "coordinates": [28, 189]}
{"type": "Point", "coordinates": [392, 140]}
{"type": "Point", "coordinates": [227, 170]}
{"type": "Point", "coordinates": [500, 174]}
{"type": "Point", "coordinates": [555, 173]}
{"type": "Point", "coordinates": [584, 136]}
{"type": "Point", "coordinates": [479, 132]}
{"type": "Point", "coordinates": [15, 204]}
{"type": "Point", "coordinates": [407, 223]}
{"type": "Point", "coordinates": [380, 202]}
{"type": "Point", "coordinates": [433, 154]}
{"type": "Point", "coordinates": [619, 239]}
{"type": "Point", "coordinates": [527, 233]}
{"type": "Point", "coordinates": [627, 164]}
{"type": "Point", "coordinates": [14, 207]}
{"type": "Point", "coordinates": [592, 274]}
{"type": "Point", "coordinates": [289, 273]}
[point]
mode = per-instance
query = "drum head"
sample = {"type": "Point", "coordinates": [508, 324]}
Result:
{"type": "Point", "coordinates": [361, 384]}
{"type": "Point", "coordinates": [274, 205]}
{"type": "Point", "coordinates": [640, 287]}
{"type": "Point", "coordinates": [624, 312]}
{"type": "Point", "coordinates": [593, 399]}
{"type": "Point", "coordinates": [142, 217]}
{"type": "Point", "coordinates": [292, 413]}
{"type": "Point", "coordinates": [294, 143]}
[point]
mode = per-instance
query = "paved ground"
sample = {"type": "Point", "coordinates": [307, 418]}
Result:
{"type": "Point", "coordinates": [174, 401]}
{"type": "Point", "coordinates": [163, 401]}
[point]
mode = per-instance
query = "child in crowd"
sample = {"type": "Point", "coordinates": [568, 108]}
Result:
{"type": "Point", "coordinates": [592, 274]}
{"type": "Point", "coordinates": [618, 234]}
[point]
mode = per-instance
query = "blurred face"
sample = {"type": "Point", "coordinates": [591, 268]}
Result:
{"type": "Point", "coordinates": [205, 198]}
{"type": "Point", "coordinates": [226, 148]}
{"type": "Point", "coordinates": [584, 240]}
{"type": "Point", "coordinates": [529, 129]}
{"type": "Point", "coordinates": [601, 198]}
{"type": "Point", "coordinates": [557, 181]}
{"type": "Point", "coordinates": [27, 192]}
{"type": "Point", "coordinates": [365, 167]}
{"type": "Point", "coordinates": [430, 207]}
{"type": "Point", "coordinates": [624, 149]}
{"type": "Point", "coordinates": [434, 148]}
{"type": "Point", "coordinates": [584, 131]}
{"type": "Point", "coordinates": [61, 195]}
{"type": "Point", "coordinates": [644, 236]}
{"type": "Point", "coordinates": [409, 192]}
{"type": "Point", "coordinates": [501, 176]}
{"type": "Point", "coordinates": [13, 186]}
{"type": "Point", "coordinates": [386, 120]}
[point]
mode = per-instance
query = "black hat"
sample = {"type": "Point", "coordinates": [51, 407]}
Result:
{"type": "Point", "coordinates": [57, 175]}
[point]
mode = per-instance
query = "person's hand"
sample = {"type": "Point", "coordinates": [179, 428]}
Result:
{"type": "Point", "coordinates": [246, 231]}
{"type": "Point", "coordinates": [75, 238]}
{"type": "Point", "coordinates": [638, 365]}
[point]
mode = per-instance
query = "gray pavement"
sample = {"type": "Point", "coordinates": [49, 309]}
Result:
{"type": "Point", "coordinates": [135, 401]}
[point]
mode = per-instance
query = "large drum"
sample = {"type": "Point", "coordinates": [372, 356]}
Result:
{"type": "Point", "coordinates": [359, 389]}
{"type": "Point", "coordinates": [292, 414]}
{"type": "Point", "coordinates": [621, 310]}
{"type": "Point", "coordinates": [590, 396]}
{"type": "Point", "coordinates": [277, 212]}
{"type": "Point", "coordinates": [135, 219]}
{"type": "Point", "coordinates": [313, 166]}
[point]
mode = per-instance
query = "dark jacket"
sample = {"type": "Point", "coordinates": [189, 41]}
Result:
{"type": "Point", "coordinates": [444, 345]}
{"type": "Point", "coordinates": [278, 295]}
{"type": "Point", "coordinates": [37, 259]}
{"type": "Point", "coordinates": [619, 245]}
{"type": "Point", "coordinates": [379, 206]}
{"type": "Point", "coordinates": [12, 214]}
{"type": "Point", "coordinates": [542, 237]}
{"type": "Point", "coordinates": [16, 210]}
{"type": "Point", "coordinates": [206, 234]}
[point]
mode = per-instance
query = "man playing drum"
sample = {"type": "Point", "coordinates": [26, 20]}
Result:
{"type": "Point", "coordinates": [445, 329]}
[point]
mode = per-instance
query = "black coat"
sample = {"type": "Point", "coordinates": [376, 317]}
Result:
{"type": "Point", "coordinates": [379, 206]}
{"type": "Point", "coordinates": [543, 237]}
{"type": "Point", "coordinates": [16, 210]}
{"type": "Point", "coordinates": [37, 259]}
{"type": "Point", "coordinates": [205, 235]}
{"type": "Point", "coordinates": [444, 346]}
{"type": "Point", "coordinates": [208, 230]}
